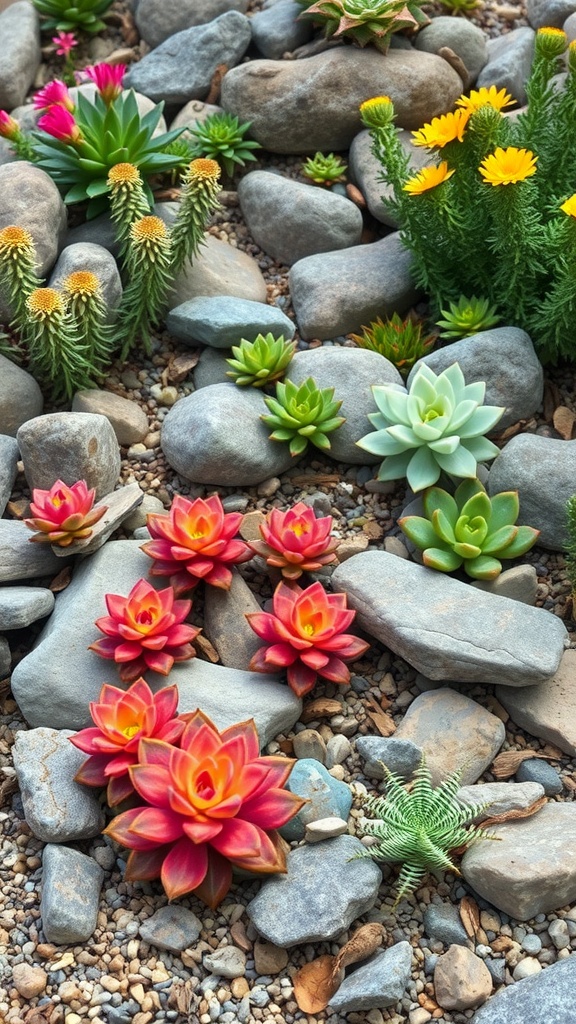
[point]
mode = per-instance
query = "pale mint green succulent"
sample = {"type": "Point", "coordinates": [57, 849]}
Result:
{"type": "Point", "coordinates": [438, 425]}
{"type": "Point", "coordinates": [469, 530]}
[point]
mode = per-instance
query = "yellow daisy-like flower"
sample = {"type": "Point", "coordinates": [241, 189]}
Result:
{"type": "Point", "coordinates": [124, 175]}
{"type": "Point", "coordinates": [204, 169]}
{"type": "Point", "coordinates": [428, 178]}
{"type": "Point", "coordinates": [45, 302]}
{"type": "Point", "coordinates": [377, 112]}
{"type": "Point", "coordinates": [508, 166]}
{"type": "Point", "coordinates": [569, 206]}
{"type": "Point", "coordinates": [442, 130]}
{"type": "Point", "coordinates": [493, 97]}
{"type": "Point", "coordinates": [551, 42]}
{"type": "Point", "coordinates": [82, 283]}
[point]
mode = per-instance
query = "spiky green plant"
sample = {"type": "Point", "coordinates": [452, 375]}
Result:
{"type": "Point", "coordinates": [128, 201]}
{"type": "Point", "coordinates": [324, 170]}
{"type": "Point", "coordinates": [365, 21]}
{"type": "Point", "coordinates": [419, 829]}
{"type": "Point", "coordinates": [461, 6]}
{"type": "Point", "coordinates": [302, 414]}
{"type": "Point", "coordinates": [89, 313]}
{"type": "Point", "coordinates": [398, 340]}
{"type": "Point", "coordinates": [65, 15]}
{"type": "Point", "coordinates": [221, 137]}
{"type": "Point", "coordinates": [56, 355]}
{"type": "Point", "coordinates": [261, 361]}
{"type": "Point", "coordinates": [571, 544]}
{"type": "Point", "coordinates": [198, 200]}
{"type": "Point", "coordinates": [18, 275]}
{"type": "Point", "coordinates": [148, 264]}
{"type": "Point", "coordinates": [466, 317]}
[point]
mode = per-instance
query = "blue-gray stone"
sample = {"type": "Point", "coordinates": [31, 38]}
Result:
{"type": "Point", "coordinates": [509, 62]}
{"type": "Point", "coordinates": [71, 884]}
{"type": "Point", "coordinates": [545, 998]}
{"type": "Point", "coordinates": [328, 798]}
{"type": "Point", "coordinates": [8, 467]}
{"type": "Point", "coordinates": [19, 606]}
{"type": "Point", "coordinates": [21, 560]}
{"type": "Point", "coordinates": [535, 769]}
{"type": "Point", "coordinates": [223, 320]}
{"type": "Point", "coordinates": [20, 400]}
{"type": "Point", "coordinates": [401, 757]}
{"type": "Point", "coordinates": [172, 927]}
{"type": "Point", "coordinates": [278, 29]}
{"type": "Point", "coordinates": [442, 923]}
{"type": "Point", "coordinates": [379, 982]}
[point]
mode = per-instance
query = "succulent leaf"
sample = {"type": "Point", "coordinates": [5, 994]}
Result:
{"type": "Point", "coordinates": [400, 341]}
{"type": "Point", "coordinates": [302, 413]}
{"type": "Point", "coordinates": [261, 361]}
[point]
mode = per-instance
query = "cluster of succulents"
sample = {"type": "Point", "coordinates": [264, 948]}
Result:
{"type": "Point", "coordinates": [302, 414]}
{"type": "Point", "coordinates": [365, 21]}
{"type": "Point", "coordinates": [402, 342]}
{"type": "Point", "coordinates": [261, 361]}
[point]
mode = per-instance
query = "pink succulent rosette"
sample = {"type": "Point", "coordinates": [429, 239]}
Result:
{"type": "Point", "coordinates": [107, 78]}
{"type": "Point", "coordinates": [195, 541]}
{"type": "Point", "coordinates": [305, 635]}
{"type": "Point", "coordinates": [145, 630]}
{"type": "Point", "coordinates": [64, 514]}
{"type": "Point", "coordinates": [296, 541]}
{"type": "Point", "coordinates": [121, 719]}
{"type": "Point", "coordinates": [214, 803]}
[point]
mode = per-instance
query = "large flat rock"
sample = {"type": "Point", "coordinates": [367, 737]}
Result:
{"type": "Point", "coordinates": [547, 711]}
{"type": "Point", "coordinates": [545, 998]}
{"type": "Point", "coordinates": [20, 559]}
{"type": "Point", "coordinates": [447, 629]}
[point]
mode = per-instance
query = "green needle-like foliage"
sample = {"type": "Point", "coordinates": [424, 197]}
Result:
{"type": "Point", "coordinates": [18, 276]}
{"type": "Point", "coordinates": [221, 137]}
{"type": "Point", "coordinates": [324, 170]}
{"type": "Point", "coordinates": [571, 544]}
{"type": "Point", "coordinates": [88, 313]}
{"type": "Point", "coordinates": [398, 340]}
{"type": "Point", "coordinates": [198, 200]}
{"type": "Point", "coordinates": [128, 201]}
{"type": "Point", "coordinates": [261, 361]}
{"type": "Point", "coordinates": [57, 356]}
{"type": "Point", "coordinates": [149, 269]}
{"type": "Point", "coordinates": [302, 414]}
{"type": "Point", "coordinates": [419, 829]}
{"type": "Point", "coordinates": [365, 21]}
{"type": "Point", "coordinates": [466, 317]}
{"type": "Point", "coordinates": [65, 16]}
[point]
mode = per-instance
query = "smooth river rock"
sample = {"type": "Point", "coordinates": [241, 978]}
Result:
{"type": "Point", "coordinates": [547, 711]}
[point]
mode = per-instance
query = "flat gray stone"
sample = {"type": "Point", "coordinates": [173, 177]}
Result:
{"type": "Point", "coordinates": [547, 711]}
{"type": "Point", "coordinates": [19, 558]}
{"type": "Point", "coordinates": [376, 983]}
{"type": "Point", "coordinates": [509, 62]}
{"type": "Point", "coordinates": [9, 455]}
{"type": "Point", "coordinates": [279, 29]}
{"type": "Point", "coordinates": [56, 681]}
{"type": "Point", "coordinates": [351, 372]}
{"type": "Point", "coordinates": [226, 962]}
{"type": "Point", "coordinates": [519, 583]}
{"type": "Point", "coordinates": [158, 19]}
{"type": "Point", "coordinates": [455, 733]}
{"type": "Point", "coordinates": [323, 876]}
{"type": "Point", "coordinates": [337, 292]}
{"type": "Point", "coordinates": [541, 13]}
{"type": "Point", "coordinates": [199, 444]}
{"type": "Point", "coordinates": [172, 927]}
{"type": "Point", "coordinates": [446, 629]}
{"type": "Point", "coordinates": [326, 797]}
{"type": "Point", "coordinates": [500, 797]}
{"type": "Point", "coordinates": [466, 40]}
{"type": "Point", "coordinates": [71, 884]}
{"type": "Point", "coordinates": [222, 321]}
{"type": "Point", "coordinates": [20, 35]}
{"type": "Point", "coordinates": [57, 809]}
{"type": "Point", "coordinates": [543, 493]}
{"type": "Point", "coordinates": [181, 68]}
{"type": "Point", "coordinates": [70, 446]}
{"type": "Point", "coordinates": [505, 359]}
{"type": "Point", "coordinates": [30, 199]}
{"type": "Point", "coordinates": [225, 624]}
{"type": "Point", "coordinates": [19, 606]}
{"type": "Point", "coordinates": [532, 869]}
{"type": "Point", "coordinates": [128, 419]}
{"type": "Point", "coordinates": [365, 171]}
{"type": "Point", "coordinates": [545, 998]}
{"type": "Point", "coordinates": [442, 923]}
{"type": "Point", "coordinates": [401, 757]}
{"type": "Point", "coordinates": [97, 260]}
{"type": "Point", "coordinates": [290, 220]}
{"type": "Point", "coordinates": [119, 505]}
{"type": "Point", "coordinates": [20, 397]}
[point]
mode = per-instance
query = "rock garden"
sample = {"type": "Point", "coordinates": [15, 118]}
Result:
{"type": "Point", "coordinates": [287, 512]}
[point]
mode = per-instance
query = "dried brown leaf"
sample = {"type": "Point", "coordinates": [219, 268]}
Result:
{"type": "Point", "coordinates": [205, 649]}
{"type": "Point", "coordinates": [315, 984]}
{"type": "Point", "coordinates": [382, 722]}
{"type": "Point", "coordinates": [554, 753]}
{"type": "Point", "coordinates": [552, 399]}
{"type": "Point", "coordinates": [514, 813]}
{"type": "Point", "coordinates": [508, 762]}
{"type": "Point", "coordinates": [365, 941]}
{"type": "Point", "coordinates": [321, 707]}
{"type": "Point", "coordinates": [470, 915]}
{"type": "Point", "coordinates": [303, 479]}
{"type": "Point", "coordinates": [180, 366]}
{"type": "Point", "coordinates": [563, 420]}
{"type": "Point", "coordinates": [181, 997]}
{"type": "Point", "coordinates": [61, 581]}
{"type": "Point", "coordinates": [510, 431]}
{"type": "Point", "coordinates": [569, 782]}
{"type": "Point", "coordinates": [214, 91]}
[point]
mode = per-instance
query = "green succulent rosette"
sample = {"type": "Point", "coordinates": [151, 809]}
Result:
{"type": "Point", "coordinates": [466, 317]}
{"type": "Point", "coordinates": [365, 21]}
{"type": "Point", "coordinates": [261, 361]}
{"type": "Point", "coordinates": [302, 414]}
{"type": "Point", "coordinates": [66, 16]}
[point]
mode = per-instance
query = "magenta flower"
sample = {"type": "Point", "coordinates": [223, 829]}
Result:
{"type": "Point", "coordinates": [9, 128]}
{"type": "Point", "coordinates": [58, 122]}
{"type": "Point", "coordinates": [65, 41]}
{"type": "Point", "coordinates": [107, 79]}
{"type": "Point", "coordinates": [54, 94]}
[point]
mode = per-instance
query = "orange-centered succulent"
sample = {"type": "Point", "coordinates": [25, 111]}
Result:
{"type": "Point", "coordinates": [195, 541]}
{"type": "Point", "coordinates": [121, 719]}
{"type": "Point", "coordinates": [213, 803]}
{"type": "Point", "coordinates": [64, 514]}
{"type": "Point", "coordinates": [145, 630]}
{"type": "Point", "coordinates": [304, 634]}
{"type": "Point", "coordinates": [296, 541]}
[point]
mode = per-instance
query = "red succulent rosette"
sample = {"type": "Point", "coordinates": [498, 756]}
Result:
{"type": "Point", "coordinates": [64, 514]}
{"type": "Point", "coordinates": [296, 541]}
{"type": "Point", "coordinates": [304, 634]}
{"type": "Point", "coordinates": [121, 719]}
{"type": "Point", "coordinates": [145, 630]}
{"type": "Point", "coordinates": [195, 541]}
{"type": "Point", "coordinates": [214, 803]}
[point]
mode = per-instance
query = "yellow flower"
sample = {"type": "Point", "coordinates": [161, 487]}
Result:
{"type": "Point", "coordinates": [82, 283]}
{"type": "Point", "coordinates": [442, 130]}
{"type": "Point", "coordinates": [205, 169]}
{"type": "Point", "coordinates": [14, 239]}
{"type": "Point", "coordinates": [377, 112]}
{"type": "Point", "coordinates": [493, 97]}
{"type": "Point", "coordinates": [427, 178]}
{"type": "Point", "coordinates": [43, 303]}
{"type": "Point", "coordinates": [551, 42]}
{"type": "Point", "coordinates": [569, 206]}
{"type": "Point", "coordinates": [508, 166]}
{"type": "Point", "coordinates": [124, 176]}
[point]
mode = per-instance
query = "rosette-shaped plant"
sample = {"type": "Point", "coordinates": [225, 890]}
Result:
{"type": "Point", "coordinates": [296, 541]}
{"type": "Point", "coordinates": [304, 413]}
{"type": "Point", "coordinates": [214, 804]}
{"type": "Point", "coordinates": [304, 634]}
{"type": "Point", "coordinates": [221, 137]}
{"type": "Point", "coordinates": [365, 21]}
{"type": "Point", "coordinates": [121, 719]}
{"type": "Point", "coordinates": [71, 14]}
{"type": "Point", "coordinates": [466, 317]}
{"type": "Point", "coordinates": [400, 341]}
{"type": "Point", "coordinates": [324, 170]}
{"type": "Point", "coordinates": [469, 530]}
{"type": "Point", "coordinates": [195, 541]}
{"type": "Point", "coordinates": [145, 630]}
{"type": "Point", "coordinates": [261, 361]}
{"type": "Point", "coordinates": [63, 514]}
{"type": "Point", "coordinates": [438, 425]}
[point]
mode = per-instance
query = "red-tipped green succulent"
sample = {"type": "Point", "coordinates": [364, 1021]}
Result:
{"type": "Point", "coordinates": [296, 541]}
{"type": "Point", "coordinates": [64, 514]}
{"type": "Point", "coordinates": [213, 804]}
{"type": "Point", "coordinates": [145, 630]}
{"type": "Point", "coordinates": [304, 634]}
{"type": "Point", "coordinates": [195, 541]}
{"type": "Point", "coordinates": [365, 21]}
{"type": "Point", "coordinates": [121, 719]}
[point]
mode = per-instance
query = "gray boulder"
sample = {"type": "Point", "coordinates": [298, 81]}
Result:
{"type": "Point", "coordinates": [334, 293]}
{"type": "Point", "coordinates": [126, 417]}
{"type": "Point", "coordinates": [509, 62]}
{"type": "Point", "coordinates": [20, 397]}
{"type": "Point", "coordinates": [70, 446]}
{"type": "Point", "coordinates": [542, 470]}
{"type": "Point", "coordinates": [365, 171]}
{"type": "Point", "coordinates": [71, 884]}
{"type": "Point", "coordinates": [446, 629]}
{"type": "Point", "coordinates": [278, 29]}
{"type": "Point", "coordinates": [181, 68]}
{"type": "Point", "coordinates": [519, 583]}
{"type": "Point", "coordinates": [351, 372]}
{"type": "Point", "coordinates": [466, 40]}
{"type": "Point", "coordinates": [221, 321]}
{"type": "Point", "coordinates": [9, 455]}
{"type": "Point", "coordinates": [30, 199]}
{"type": "Point", "coordinates": [401, 757]}
{"type": "Point", "coordinates": [378, 982]}
{"type": "Point", "coordinates": [97, 259]}
{"type": "Point", "coordinates": [158, 19]}
{"type": "Point", "coordinates": [541, 13]}
{"type": "Point", "coordinates": [20, 606]}
{"type": "Point", "coordinates": [547, 711]}
{"type": "Point", "coordinates": [442, 923]}
{"type": "Point", "coordinates": [21, 560]}
{"type": "Point", "coordinates": [290, 220]}
{"type": "Point", "coordinates": [20, 35]}
{"type": "Point", "coordinates": [225, 622]}
{"type": "Point", "coordinates": [302, 106]}
{"type": "Point", "coordinates": [219, 269]}
{"type": "Point", "coordinates": [505, 359]}
{"type": "Point", "coordinates": [545, 998]}
{"type": "Point", "coordinates": [211, 368]}
{"type": "Point", "coordinates": [501, 797]}
{"type": "Point", "coordinates": [172, 927]}
{"type": "Point", "coordinates": [200, 445]}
